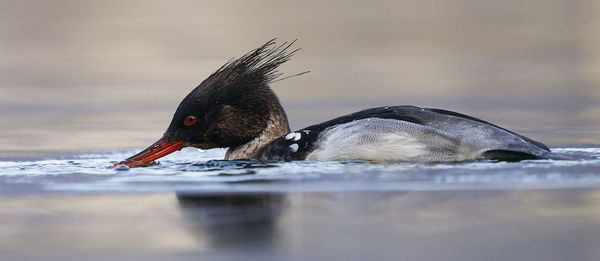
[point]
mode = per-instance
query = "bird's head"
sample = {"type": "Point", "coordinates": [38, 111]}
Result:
{"type": "Point", "coordinates": [230, 108]}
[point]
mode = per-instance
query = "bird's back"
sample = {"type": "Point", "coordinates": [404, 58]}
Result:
{"type": "Point", "coordinates": [403, 133]}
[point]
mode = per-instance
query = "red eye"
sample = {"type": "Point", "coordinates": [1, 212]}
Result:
{"type": "Point", "coordinates": [189, 120]}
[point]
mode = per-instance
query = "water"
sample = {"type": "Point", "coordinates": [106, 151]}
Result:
{"type": "Point", "coordinates": [191, 170]}
{"type": "Point", "coordinates": [194, 205]}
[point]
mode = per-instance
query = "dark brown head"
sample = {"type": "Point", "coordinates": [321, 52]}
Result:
{"type": "Point", "coordinates": [230, 108]}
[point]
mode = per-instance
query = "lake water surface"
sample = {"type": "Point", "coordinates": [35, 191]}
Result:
{"type": "Point", "coordinates": [195, 206]}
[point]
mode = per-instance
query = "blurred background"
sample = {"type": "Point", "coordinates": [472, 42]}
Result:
{"type": "Point", "coordinates": [103, 75]}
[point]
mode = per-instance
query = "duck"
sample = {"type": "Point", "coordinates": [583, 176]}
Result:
{"type": "Point", "coordinates": [236, 108]}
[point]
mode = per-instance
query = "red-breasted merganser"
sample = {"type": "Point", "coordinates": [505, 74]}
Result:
{"type": "Point", "coordinates": [235, 108]}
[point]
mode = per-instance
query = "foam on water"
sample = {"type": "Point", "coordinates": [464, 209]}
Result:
{"type": "Point", "coordinates": [191, 170]}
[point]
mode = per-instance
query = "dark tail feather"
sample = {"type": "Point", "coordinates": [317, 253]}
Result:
{"type": "Point", "coordinates": [510, 156]}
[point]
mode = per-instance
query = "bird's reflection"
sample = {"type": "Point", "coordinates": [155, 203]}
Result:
{"type": "Point", "coordinates": [240, 220]}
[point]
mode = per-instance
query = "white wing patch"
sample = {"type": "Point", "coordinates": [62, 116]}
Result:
{"type": "Point", "coordinates": [293, 135]}
{"type": "Point", "coordinates": [294, 147]}
{"type": "Point", "coordinates": [377, 140]}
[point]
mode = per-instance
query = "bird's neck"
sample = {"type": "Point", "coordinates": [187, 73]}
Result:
{"type": "Point", "coordinates": [276, 127]}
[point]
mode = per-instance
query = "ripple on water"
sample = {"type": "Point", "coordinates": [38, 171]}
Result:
{"type": "Point", "coordinates": [192, 170]}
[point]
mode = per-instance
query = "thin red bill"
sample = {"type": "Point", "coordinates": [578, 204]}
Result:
{"type": "Point", "coordinates": [159, 149]}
